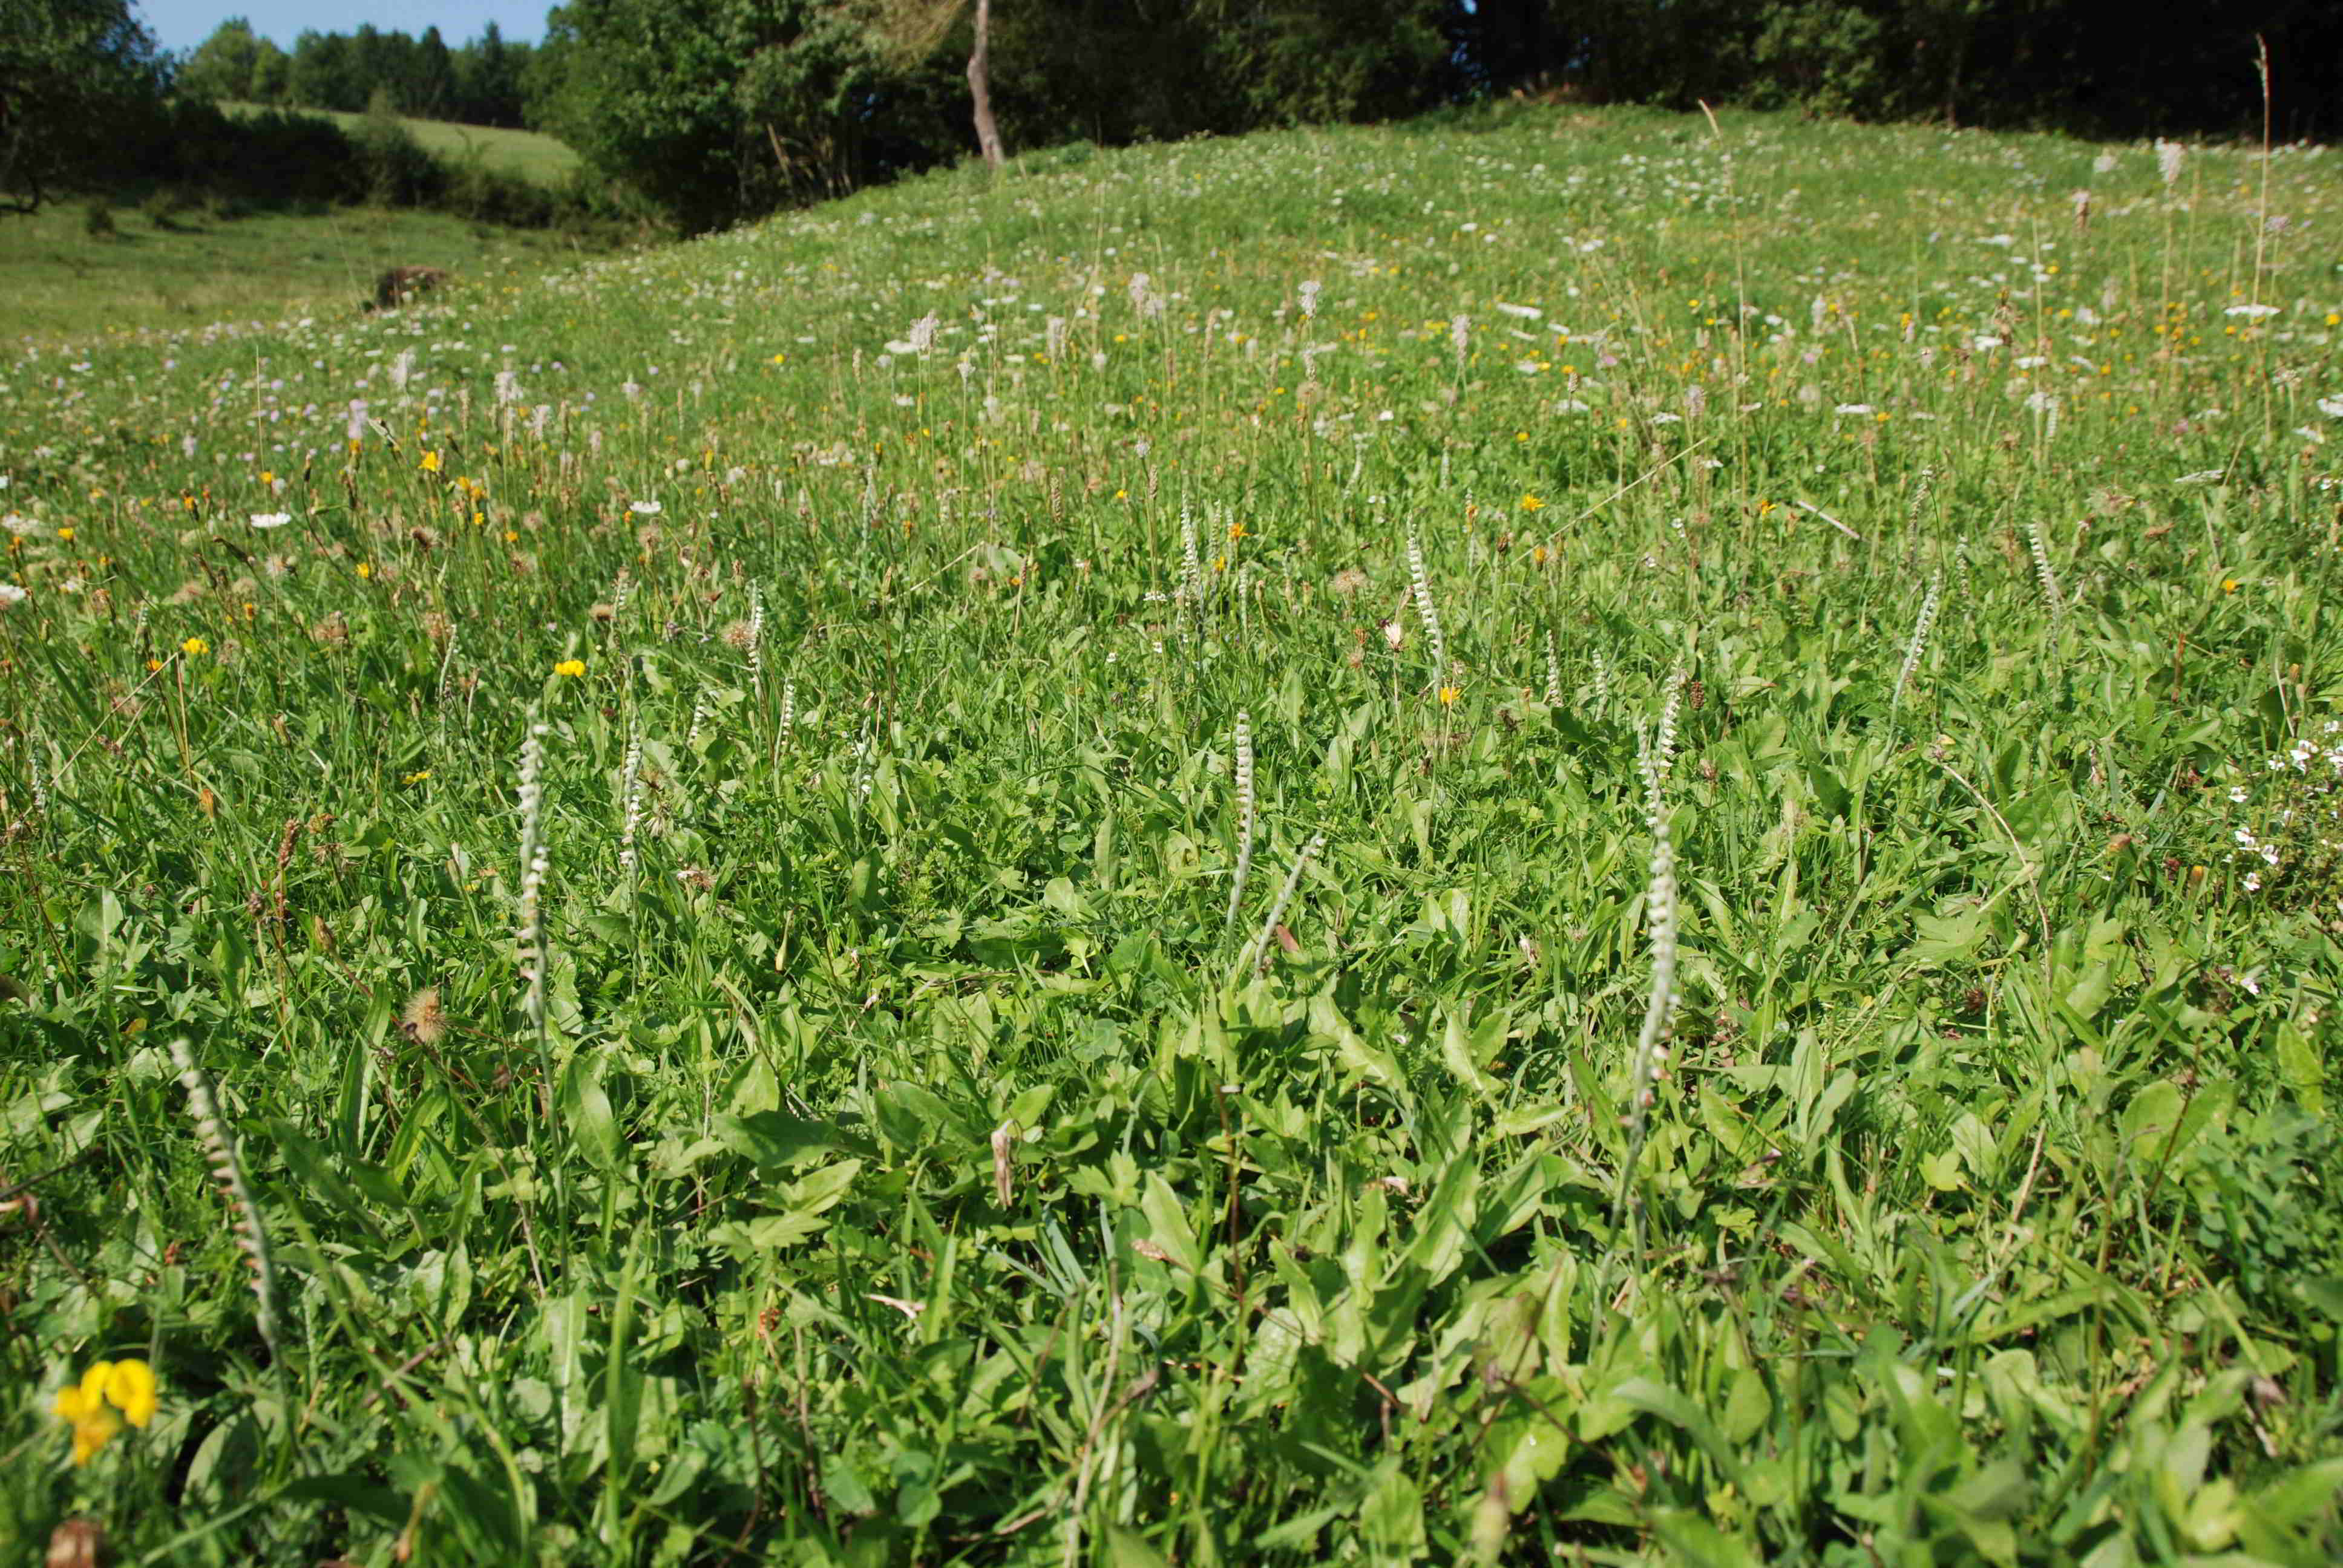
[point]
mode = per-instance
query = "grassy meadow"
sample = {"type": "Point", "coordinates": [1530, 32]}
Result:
{"type": "Point", "coordinates": [1551, 836]}
{"type": "Point", "coordinates": [159, 268]}
{"type": "Point", "coordinates": [547, 160]}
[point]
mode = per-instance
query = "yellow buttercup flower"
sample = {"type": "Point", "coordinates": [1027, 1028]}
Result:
{"type": "Point", "coordinates": [128, 1386]}
{"type": "Point", "coordinates": [570, 666]}
{"type": "Point", "coordinates": [430, 462]}
{"type": "Point", "coordinates": [195, 646]}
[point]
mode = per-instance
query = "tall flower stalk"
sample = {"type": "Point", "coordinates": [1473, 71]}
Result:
{"type": "Point", "coordinates": [1244, 817]}
{"type": "Point", "coordinates": [535, 862]}
{"type": "Point", "coordinates": [227, 1173]}
{"type": "Point", "coordinates": [1256, 953]}
{"type": "Point", "coordinates": [1420, 581]}
{"type": "Point", "coordinates": [1920, 642]}
{"type": "Point", "coordinates": [2051, 594]}
{"type": "Point", "coordinates": [631, 804]}
{"type": "Point", "coordinates": [1659, 917]}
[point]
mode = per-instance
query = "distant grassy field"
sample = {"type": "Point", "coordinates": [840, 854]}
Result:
{"type": "Point", "coordinates": [525, 152]}
{"type": "Point", "coordinates": [56, 279]}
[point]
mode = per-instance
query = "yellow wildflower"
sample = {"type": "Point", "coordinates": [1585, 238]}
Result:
{"type": "Point", "coordinates": [65, 534]}
{"type": "Point", "coordinates": [366, 570]}
{"type": "Point", "coordinates": [1531, 503]}
{"type": "Point", "coordinates": [570, 666]}
{"type": "Point", "coordinates": [1449, 694]}
{"type": "Point", "coordinates": [128, 1386]}
{"type": "Point", "coordinates": [430, 462]}
{"type": "Point", "coordinates": [195, 647]}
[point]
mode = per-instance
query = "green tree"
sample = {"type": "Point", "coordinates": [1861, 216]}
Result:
{"type": "Point", "coordinates": [223, 65]}
{"type": "Point", "coordinates": [74, 75]}
{"type": "Point", "coordinates": [913, 29]}
{"type": "Point", "coordinates": [272, 73]}
{"type": "Point", "coordinates": [323, 73]}
{"type": "Point", "coordinates": [1305, 61]}
{"type": "Point", "coordinates": [431, 76]}
{"type": "Point", "coordinates": [488, 80]}
{"type": "Point", "coordinates": [718, 109]}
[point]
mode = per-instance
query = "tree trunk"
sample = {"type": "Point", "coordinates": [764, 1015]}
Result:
{"type": "Point", "coordinates": [980, 87]}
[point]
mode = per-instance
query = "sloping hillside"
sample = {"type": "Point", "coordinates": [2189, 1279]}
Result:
{"type": "Point", "coordinates": [1558, 835]}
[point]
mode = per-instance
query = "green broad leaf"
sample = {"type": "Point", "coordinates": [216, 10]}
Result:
{"type": "Point", "coordinates": [2310, 1490]}
{"type": "Point", "coordinates": [1061, 896]}
{"type": "Point", "coordinates": [1299, 1530]}
{"type": "Point", "coordinates": [1126, 1548]}
{"type": "Point", "coordinates": [803, 1205]}
{"type": "Point", "coordinates": [2000, 1490]}
{"type": "Point", "coordinates": [585, 1110]}
{"type": "Point", "coordinates": [2299, 1064]}
{"type": "Point", "coordinates": [844, 1486]}
{"type": "Point", "coordinates": [1695, 1540]}
{"type": "Point", "coordinates": [354, 1492]}
{"type": "Point", "coordinates": [1168, 1227]}
{"type": "Point", "coordinates": [1942, 939]}
{"type": "Point", "coordinates": [1657, 1399]}
{"type": "Point", "coordinates": [324, 1177]}
{"type": "Point", "coordinates": [1747, 1407]}
{"type": "Point", "coordinates": [1456, 1055]}
{"type": "Point", "coordinates": [2149, 1123]}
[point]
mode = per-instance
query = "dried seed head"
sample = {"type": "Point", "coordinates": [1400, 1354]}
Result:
{"type": "Point", "coordinates": [424, 1021]}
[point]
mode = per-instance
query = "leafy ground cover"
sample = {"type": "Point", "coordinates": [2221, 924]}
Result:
{"type": "Point", "coordinates": [547, 160]}
{"type": "Point", "coordinates": [1547, 835]}
{"type": "Point", "coordinates": [157, 268]}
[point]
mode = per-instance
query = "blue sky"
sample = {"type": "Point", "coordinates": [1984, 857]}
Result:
{"type": "Point", "coordinates": [180, 24]}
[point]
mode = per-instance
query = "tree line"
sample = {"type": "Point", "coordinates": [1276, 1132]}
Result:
{"type": "Point", "coordinates": [90, 106]}
{"type": "Point", "coordinates": [721, 109]}
{"type": "Point", "coordinates": [479, 82]}
{"type": "Point", "coordinates": [726, 107]}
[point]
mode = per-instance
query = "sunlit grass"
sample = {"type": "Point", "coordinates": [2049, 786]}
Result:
{"type": "Point", "coordinates": [547, 160]}
{"type": "Point", "coordinates": [1780, 1008]}
{"type": "Point", "coordinates": [195, 267]}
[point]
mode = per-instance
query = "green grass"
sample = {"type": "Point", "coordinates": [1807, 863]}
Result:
{"type": "Point", "coordinates": [894, 1152]}
{"type": "Point", "coordinates": [193, 268]}
{"type": "Point", "coordinates": [547, 160]}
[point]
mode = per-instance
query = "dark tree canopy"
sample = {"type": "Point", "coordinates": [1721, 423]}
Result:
{"type": "Point", "coordinates": [483, 81]}
{"type": "Point", "coordinates": [73, 75]}
{"type": "Point", "coordinates": [717, 109]}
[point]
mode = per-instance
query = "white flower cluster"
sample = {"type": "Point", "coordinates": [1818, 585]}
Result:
{"type": "Point", "coordinates": [2318, 763]}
